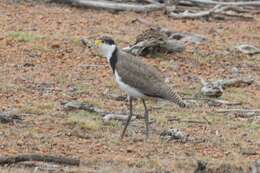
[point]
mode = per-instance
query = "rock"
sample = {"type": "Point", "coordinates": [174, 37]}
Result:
{"type": "Point", "coordinates": [248, 49]}
{"type": "Point", "coordinates": [201, 167]}
{"type": "Point", "coordinates": [235, 71]}
{"type": "Point", "coordinates": [72, 105]}
{"type": "Point", "coordinates": [212, 90]}
{"type": "Point", "coordinates": [9, 117]}
{"type": "Point", "coordinates": [186, 37]}
{"type": "Point", "coordinates": [173, 134]}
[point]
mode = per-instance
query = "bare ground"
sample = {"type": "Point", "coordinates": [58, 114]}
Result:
{"type": "Point", "coordinates": [43, 64]}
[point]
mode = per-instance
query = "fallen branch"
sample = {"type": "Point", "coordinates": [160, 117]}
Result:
{"type": "Point", "coordinates": [216, 88]}
{"type": "Point", "coordinates": [37, 157]}
{"type": "Point", "coordinates": [218, 12]}
{"type": "Point", "coordinates": [107, 116]}
{"type": "Point", "coordinates": [210, 2]}
{"type": "Point", "coordinates": [235, 82]}
{"type": "Point", "coordinates": [114, 6]}
{"type": "Point", "coordinates": [188, 15]}
{"type": "Point", "coordinates": [237, 110]}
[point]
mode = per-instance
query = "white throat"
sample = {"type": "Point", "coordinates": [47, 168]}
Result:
{"type": "Point", "coordinates": [107, 50]}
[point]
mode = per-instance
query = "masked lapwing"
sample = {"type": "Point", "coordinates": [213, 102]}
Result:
{"type": "Point", "coordinates": [136, 78]}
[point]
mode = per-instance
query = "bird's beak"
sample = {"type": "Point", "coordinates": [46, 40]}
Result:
{"type": "Point", "coordinates": [98, 42]}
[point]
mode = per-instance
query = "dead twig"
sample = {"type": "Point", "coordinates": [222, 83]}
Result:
{"type": "Point", "coordinates": [243, 113]}
{"type": "Point", "coordinates": [37, 157]}
{"type": "Point", "coordinates": [213, 101]}
{"type": "Point", "coordinates": [237, 110]}
{"type": "Point", "coordinates": [188, 121]}
{"type": "Point", "coordinates": [210, 2]}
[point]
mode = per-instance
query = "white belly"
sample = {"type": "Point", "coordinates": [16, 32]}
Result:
{"type": "Point", "coordinates": [126, 88]}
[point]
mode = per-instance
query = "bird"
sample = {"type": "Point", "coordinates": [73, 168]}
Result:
{"type": "Point", "coordinates": [137, 79]}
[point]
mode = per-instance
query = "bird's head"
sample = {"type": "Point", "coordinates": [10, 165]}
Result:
{"type": "Point", "coordinates": [106, 46]}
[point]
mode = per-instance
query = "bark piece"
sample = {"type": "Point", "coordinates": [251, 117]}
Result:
{"type": "Point", "coordinates": [248, 49]}
{"type": "Point", "coordinates": [36, 157]}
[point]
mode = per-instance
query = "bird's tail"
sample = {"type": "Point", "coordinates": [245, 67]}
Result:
{"type": "Point", "coordinates": [171, 95]}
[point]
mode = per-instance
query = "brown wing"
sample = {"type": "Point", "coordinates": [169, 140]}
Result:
{"type": "Point", "coordinates": [145, 78]}
{"type": "Point", "coordinates": [135, 73]}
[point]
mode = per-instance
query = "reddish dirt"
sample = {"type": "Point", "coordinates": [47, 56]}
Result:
{"type": "Point", "coordinates": [39, 74]}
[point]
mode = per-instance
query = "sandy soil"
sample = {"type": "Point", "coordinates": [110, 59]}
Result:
{"type": "Point", "coordinates": [43, 65]}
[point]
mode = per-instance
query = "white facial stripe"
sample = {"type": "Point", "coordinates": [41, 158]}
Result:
{"type": "Point", "coordinates": [107, 50]}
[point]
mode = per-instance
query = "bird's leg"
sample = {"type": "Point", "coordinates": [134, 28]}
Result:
{"type": "Point", "coordinates": [129, 117]}
{"type": "Point", "coordinates": [146, 119]}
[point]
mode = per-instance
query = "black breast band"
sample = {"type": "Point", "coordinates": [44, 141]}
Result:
{"type": "Point", "coordinates": [113, 60]}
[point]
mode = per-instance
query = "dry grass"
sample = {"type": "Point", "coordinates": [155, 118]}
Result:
{"type": "Point", "coordinates": [42, 46]}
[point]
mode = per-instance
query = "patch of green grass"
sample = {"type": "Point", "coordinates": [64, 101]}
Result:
{"type": "Point", "coordinates": [82, 88]}
{"type": "Point", "coordinates": [253, 126]}
{"type": "Point", "coordinates": [24, 36]}
{"type": "Point", "coordinates": [38, 108]}
{"type": "Point", "coordinates": [158, 55]}
{"type": "Point", "coordinates": [236, 94]}
{"type": "Point", "coordinates": [7, 87]}
{"type": "Point", "coordinates": [204, 59]}
{"type": "Point", "coordinates": [40, 48]}
{"type": "Point", "coordinates": [159, 119]}
{"type": "Point", "coordinates": [149, 163]}
{"type": "Point", "coordinates": [113, 124]}
{"type": "Point", "coordinates": [86, 120]}
{"type": "Point", "coordinates": [76, 41]}
{"type": "Point", "coordinates": [194, 91]}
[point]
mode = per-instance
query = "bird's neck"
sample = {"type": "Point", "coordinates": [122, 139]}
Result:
{"type": "Point", "coordinates": [112, 59]}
